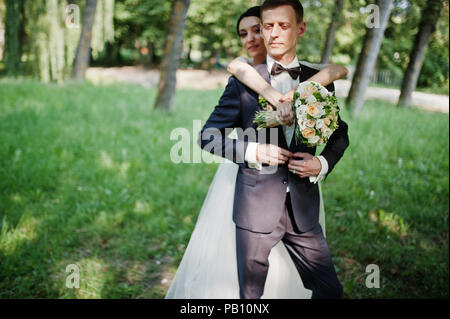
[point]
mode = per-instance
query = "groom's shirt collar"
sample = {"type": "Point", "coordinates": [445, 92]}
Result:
{"type": "Point", "coordinates": [270, 61]}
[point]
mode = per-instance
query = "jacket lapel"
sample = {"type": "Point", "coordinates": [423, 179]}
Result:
{"type": "Point", "coordinates": [262, 70]}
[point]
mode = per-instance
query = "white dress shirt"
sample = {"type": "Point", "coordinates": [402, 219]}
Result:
{"type": "Point", "coordinates": [283, 83]}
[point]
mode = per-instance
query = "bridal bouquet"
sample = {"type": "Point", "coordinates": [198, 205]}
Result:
{"type": "Point", "coordinates": [315, 111]}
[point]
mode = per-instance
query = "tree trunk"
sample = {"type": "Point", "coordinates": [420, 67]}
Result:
{"type": "Point", "coordinates": [84, 46]}
{"type": "Point", "coordinates": [335, 21]}
{"type": "Point", "coordinates": [172, 54]}
{"type": "Point", "coordinates": [368, 58]}
{"type": "Point", "coordinates": [12, 36]}
{"type": "Point", "coordinates": [430, 16]}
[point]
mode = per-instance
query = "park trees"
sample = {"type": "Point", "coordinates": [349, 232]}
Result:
{"type": "Point", "coordinates": [430, 17]}
{"type": "Point", "coordinates": [84, 44]}
{"type": "Point", "coordinates": [172, 54]}
{"type": "Point", "coordinates": [336, 20]}
{"type": "Point", "coordinates": [369, 54]}
{"type": "Point", "coordinates": [13, 47]}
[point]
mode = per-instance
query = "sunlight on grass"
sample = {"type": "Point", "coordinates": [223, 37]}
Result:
{"type": "Point", "coordinates": [108, 163]}
{"type": "Point", "coordinates": [93, 274]}
{"type": "Point", "coordinates": [142, 208]}
{"type": "Point", "coordinates": [16, 198]}
{"type": "Point", "coordinates": [106, 160]}
{"type": "Point", "coordinates": [109, 220]}
{"type": "Point", "coordinates": [391, 221]}
{"type": "Point", "coordinates": [11, 239]}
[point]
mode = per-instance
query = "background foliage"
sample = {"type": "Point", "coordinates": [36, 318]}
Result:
{"type": "Point", "coordinates": [131, 32]}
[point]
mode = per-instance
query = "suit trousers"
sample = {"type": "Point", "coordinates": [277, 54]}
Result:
{"type": "Point", "coordinates": [308, 250]}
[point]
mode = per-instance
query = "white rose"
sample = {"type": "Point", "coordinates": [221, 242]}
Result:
{"type": "Point", "coordinates": [311, 99]}
{"type": "Point", "coordinates": [301, 124]}
{"type": "Point", "coordinates": [314, 139]}
{"type": "Point", "coordinates": [300, 113]}
{"type": "Point", "coordinates": [319, 123]}
{"type": "Point", "coordinates": [302, 89]}
{"type": "Point", "coordinates": [323, 92]}
{"type": "Point", "coordinates": [326, 132]}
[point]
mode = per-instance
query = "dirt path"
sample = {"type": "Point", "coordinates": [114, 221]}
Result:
{"type": "Point", "coordinates": [204, 80]}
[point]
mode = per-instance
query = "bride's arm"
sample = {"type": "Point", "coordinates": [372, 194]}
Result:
{"type": "Point", "coordinates": [329, 74]}
{"type": "Point", "coordinates": [245, 73]}
{"type": "Point", "coordinates": [325, 76]}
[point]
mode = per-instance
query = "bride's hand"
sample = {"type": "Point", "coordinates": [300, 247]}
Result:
{"type": "Point", "coordinates": [284, 111]}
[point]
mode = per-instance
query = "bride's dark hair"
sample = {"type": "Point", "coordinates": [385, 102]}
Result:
{"type": "Point", "coordinates": [252, 12]}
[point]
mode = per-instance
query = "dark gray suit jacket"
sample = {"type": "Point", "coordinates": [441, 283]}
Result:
{"type": "Point", "coordinates": [260, 196]}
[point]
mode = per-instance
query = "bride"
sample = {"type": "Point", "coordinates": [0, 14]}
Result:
{"type": "Point", "coordinates": [208, 269]}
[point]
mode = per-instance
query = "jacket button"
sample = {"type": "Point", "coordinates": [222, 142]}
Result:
{"type": "Point", "coordinates": [284, 181]}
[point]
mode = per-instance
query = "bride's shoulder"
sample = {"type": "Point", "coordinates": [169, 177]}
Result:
{"type": "Point", "coordinates": [244, 59]}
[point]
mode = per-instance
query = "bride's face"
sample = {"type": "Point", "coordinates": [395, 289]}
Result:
{"type": "Point", "coordinates": [251, 38]}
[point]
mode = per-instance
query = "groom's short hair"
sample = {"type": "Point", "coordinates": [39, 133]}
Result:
{"type": "Point", "coordinates": [295, 4]}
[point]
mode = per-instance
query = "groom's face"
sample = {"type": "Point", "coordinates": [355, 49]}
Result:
{"type": "Point", "coordinates": [281, 31]}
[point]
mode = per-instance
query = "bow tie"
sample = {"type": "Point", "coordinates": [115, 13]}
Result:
{"type": "Point", "coordinates": [293, 72]}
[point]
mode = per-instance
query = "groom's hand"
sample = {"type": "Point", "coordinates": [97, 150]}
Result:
{"type": "Point", "coordinates": [284, 111]}
{"type": "Point", "coordinates": [272, 154]}
{"type": "Point", "coordinates": [304, 165]}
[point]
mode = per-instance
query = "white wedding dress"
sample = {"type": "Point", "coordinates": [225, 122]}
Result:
{"type": "Point", "coordinates": [208, 269]}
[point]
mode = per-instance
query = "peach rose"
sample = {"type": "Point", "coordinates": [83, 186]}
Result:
{"type": "Point", "coordinates": [311, 89]}
{"type": "Point", "coordinates": [304, 95]}
{"type": "Point", "coordinates": [308, 133]}
{"type": "Point", "coordinates": [309, 123]}
{"type": "Point", "coordinates": [313, 110]}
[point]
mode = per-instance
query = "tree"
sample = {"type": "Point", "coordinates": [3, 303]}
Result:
{"type": "Point", "coordinates": [335, 21]}
{"type": "Point", "coordinates": [172, 54]}
{"type": "Point", "coordinates": [368, 55]}
{"type": "Point", "coordinates": [103, 27]}
{"type": "Point", "coordinates": [430, 17]}
{"type": "Point", "coordinates": [84, 46]}
{"type": "Point", "coordinates": [13, 51]}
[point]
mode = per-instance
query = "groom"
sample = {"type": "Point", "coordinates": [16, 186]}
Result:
{"type": "Point", "coordinates": [282, 203]}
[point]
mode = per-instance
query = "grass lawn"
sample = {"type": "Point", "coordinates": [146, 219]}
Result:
{"type": "Point", "coordinates": [86, 179]}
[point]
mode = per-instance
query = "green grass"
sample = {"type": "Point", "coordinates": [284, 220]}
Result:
{"type": "Point", "coordinates": [86, 179]}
